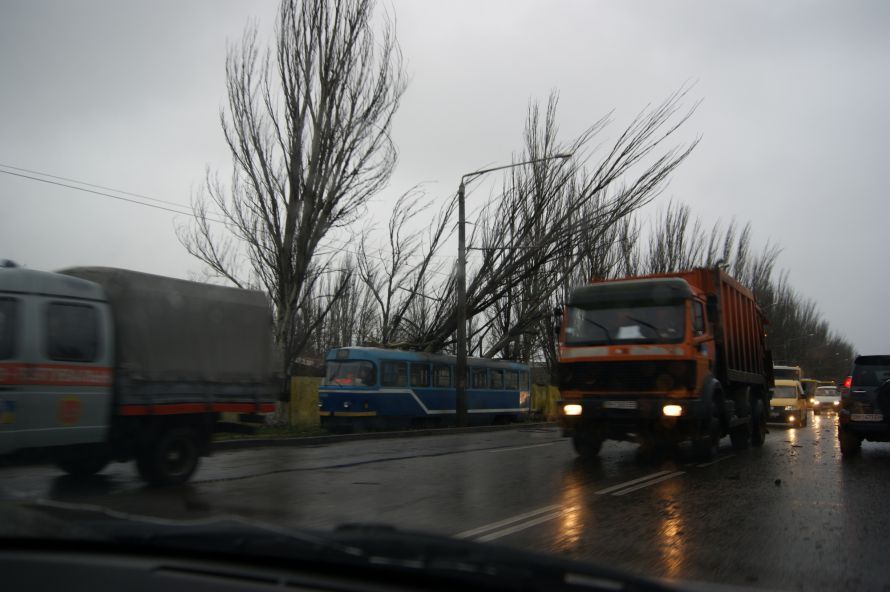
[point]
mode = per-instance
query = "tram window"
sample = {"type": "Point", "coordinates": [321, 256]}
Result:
{"type": "Point", "coordinates": [496, 379]}
{"type": "Point", "coordinates": [523, 380]}
{"type": "Point", "coordinates": [395, 374]}
{"type": "Point", "coordinates": [442, 376]}
{"type": "Point", "coordinates": [420, 375]}
{"type": "Point", "coordinates": [511, 380]}
{"type": "Point", "coordinates": [480, 378]}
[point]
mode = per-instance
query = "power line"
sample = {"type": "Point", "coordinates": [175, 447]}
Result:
{"type": "Point", "coordinates": [102, 194]}
{"type": "Point", "coordinates": [121, 191]}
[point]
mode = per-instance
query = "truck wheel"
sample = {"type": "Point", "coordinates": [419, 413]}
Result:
{"type": "Point", "coordinates": [704, 447]}
{"type": "Point", "coordinates": [171, 459]}
{"type": "Point", "coordinates": [758, 424]}
{"type": "Point", "coordinates": [587, 446]}
{"type": "Point", "coordinates": [83, 460]}
{"type": "Point", "coordinates": [740, 436]}
{"type": "Point", "coordinates": [851, 444]}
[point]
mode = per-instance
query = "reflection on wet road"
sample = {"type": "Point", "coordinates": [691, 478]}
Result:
{"type": "Point", "coordinates": [791, 515]}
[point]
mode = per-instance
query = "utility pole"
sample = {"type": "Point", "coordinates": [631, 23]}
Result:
{"type": "Point", "coordinates": [460, 367]}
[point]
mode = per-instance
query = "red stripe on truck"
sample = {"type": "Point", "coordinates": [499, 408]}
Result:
{"type": "Point", "coordinates": [17, 373]}
{"type": "Point", "coordinates": [183, 408]}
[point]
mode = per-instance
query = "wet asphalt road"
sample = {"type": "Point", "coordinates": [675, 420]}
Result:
{"type": "Point", "coordinates": [790, 516]}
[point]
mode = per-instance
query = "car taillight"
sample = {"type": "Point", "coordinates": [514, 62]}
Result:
{"type": "Point", "coordinates": [848, 382]}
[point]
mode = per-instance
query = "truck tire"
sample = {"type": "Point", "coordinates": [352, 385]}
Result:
{"type": "Point", "coordinates": [704, 447]}
{"type": "Point", "coordinates": [758, 423]}
{"type": "Point", "coordinates": [82, 460]}
{"type": "Point", "coordinates": [171, 459]}
{"type": "Point", "coordinates": [740, 436]}
{"type": "Point", "coordinates": [851, 444]}
{"type": "Point", "coordinates": [587, 446]}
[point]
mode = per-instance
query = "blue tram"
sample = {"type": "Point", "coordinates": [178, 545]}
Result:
{"type": "Point", "coordinates": [376, 387]}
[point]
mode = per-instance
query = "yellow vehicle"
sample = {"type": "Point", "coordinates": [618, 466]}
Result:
{"type": "Point", "coordinates": [809, 389]}
{"type": "Point", "coordinates": [789, 402]}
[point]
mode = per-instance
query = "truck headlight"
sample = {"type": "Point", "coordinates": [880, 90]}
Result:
{"type": "Point", "coordinates": [572, 409]}
{"type": "Point", "coordinates": [815, 402]}
{"type": "Point", "coordinates": [672, 410]}
{"type": "Point", "coordinates": [837, 403]}
{"type": "Point", "coordinates": [789, 407]}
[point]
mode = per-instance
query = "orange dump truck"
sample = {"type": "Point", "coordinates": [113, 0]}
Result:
{"type": "Point", "coordinates": [664, 358]}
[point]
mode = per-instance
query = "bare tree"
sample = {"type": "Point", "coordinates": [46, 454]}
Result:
{"type": "Point", "coordinates": [307, 124]}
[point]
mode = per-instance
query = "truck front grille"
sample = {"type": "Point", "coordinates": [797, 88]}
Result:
{"type": "Point", "coordinates": [629, 377]}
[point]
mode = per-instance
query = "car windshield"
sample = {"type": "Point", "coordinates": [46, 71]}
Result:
{"type": "Point", "coordinates": [826, 392]}
{"type": "Point", "coordinates": [640, 324]}
{"type": "Point", "coordinates": [374, 288]}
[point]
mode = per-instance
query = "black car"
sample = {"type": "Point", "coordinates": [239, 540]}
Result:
{"type": "Point", "coordinates": [865, 404]}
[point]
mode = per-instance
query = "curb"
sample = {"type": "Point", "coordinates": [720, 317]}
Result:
{"type": "Point", "coordinates": [332, 439]}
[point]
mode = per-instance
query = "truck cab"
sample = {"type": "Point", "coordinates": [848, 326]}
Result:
{"type": "Point", "coordinates": [56, 350]}
{"type": "Point", "coordinates": [654, 359]}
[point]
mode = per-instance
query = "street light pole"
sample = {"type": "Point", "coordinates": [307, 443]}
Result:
{"type": "Point", "coordinates": [461, 404]}
{"type": "Point", "coordinates": [461, 365]}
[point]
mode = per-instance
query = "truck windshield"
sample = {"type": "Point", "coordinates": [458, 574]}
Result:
{"type": "Point", "coordinates": [638, 324]}
{"type": "Point", "coordinates": [350, 373]}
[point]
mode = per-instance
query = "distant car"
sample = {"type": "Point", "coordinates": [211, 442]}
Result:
{"type": "Point", "coordinates": [865, 404]}
{"type": "Point", "coordinates": [827, 398]}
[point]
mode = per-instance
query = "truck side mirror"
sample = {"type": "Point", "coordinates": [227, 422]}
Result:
{"type": "Point", "coordinates": [556, 322]}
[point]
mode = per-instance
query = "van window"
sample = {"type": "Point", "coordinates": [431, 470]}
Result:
{"type": "Point", "coordinates": [72, 332]}
{"type": "Point", "coordinates": [442, 375]}
{"type": "Point", "coordinates": [496, 379]}
{"type": "Point", "coordinates": [420, 375]}
{"type": "Point", "coordinates": [395, 374]}
{"type": "Point", "coordinates": [698, 318]}
{"type": "Point", "coordinates": [8, 322]}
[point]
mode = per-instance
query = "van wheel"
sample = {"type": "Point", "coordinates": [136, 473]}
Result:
{"type": "Point", "coordinates": [758, 424]}
{"type": "Point", "coordinates": [171, 459]}
{"type": "Point", "coordinates": [82, 460]}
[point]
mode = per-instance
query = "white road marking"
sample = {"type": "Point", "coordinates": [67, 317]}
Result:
{"type": "Point", "coordinates": [495, 525]}
{"type": "Point", "coordinates": [648, 483]}
{"type": "Point", "coordinates": [714, 462]}
{"type": "Point", "coordinates": [633, 482]}
{"type": "Point", "coordinates": [521, 526]}
{"type": "Point", "coordinates": [522, 447]}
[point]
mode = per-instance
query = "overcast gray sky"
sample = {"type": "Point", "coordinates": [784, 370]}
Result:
{"type": "Point", "coordinates": [794, 119]}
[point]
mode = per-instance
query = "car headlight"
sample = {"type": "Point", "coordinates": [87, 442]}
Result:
{"type": "Point", "coordinates": [789, 407]}
{"type": "Point", "coordinates": [837, 403]}
{"type": "Point", "coordinates": [815, 402]}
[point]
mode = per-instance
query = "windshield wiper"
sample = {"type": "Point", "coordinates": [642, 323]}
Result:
{"type": "Point", "coordinates": [644, 323]}
{"type": "Point", "coordinates": [603, 327]}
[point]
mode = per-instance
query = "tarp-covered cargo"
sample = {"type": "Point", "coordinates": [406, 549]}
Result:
{"type": "Point", "coordinates": [182, 341]}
